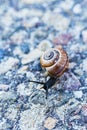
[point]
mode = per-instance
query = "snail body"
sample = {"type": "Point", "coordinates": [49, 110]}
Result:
{"type": "Point", "coordinates": [55, 61]}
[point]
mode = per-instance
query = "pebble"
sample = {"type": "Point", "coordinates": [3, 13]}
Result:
{"type": "Point", "coordinates": [62, 39]}
{"type": "Point", "coordinates": [71, 82]}
{"type": "Point", "coordinates": [24, 48]}
{"type": "Point", "coordinates": [83, 48]}
{"type": "Point", "coordinates": [18, 36]}
{"type": "Point", "coordinates": [66, 5]}
{"type": "Point", "coordinates": [84, 65]}
{"type": "Point", "coordinates": [84, 36]}
{"type": "Point", "coordinates": [23, 69]}
{"type": "Point", "coordinates": [3, 125]}
{"type": "Point", "coordinates": [7, 95]}
{"type": "Point", "coordinates": [17, 51]}
{"type": "Point", "coordinates": [77, 9]}
{"type": "Point", "coordinates": [31, 22]}
{"type": "Point", "coordinates": [23, 90]}
{"type": "Point", "coordinates": [78, 72]}
{"type": "Point", "coordinates": [50, 123]}
{"type": "Point", "coordinates": [11, 113]}
{"type": "Point", "coordinates": [78, 94]}
{"type": "Point", "coordinates": [61, 111]}
{"type": "Point", "coordinates": [7, 21]}
{"type": "Point", "coordinates": [44, 45]}
{"type": "Point", "coordinates": [4, 87]}
{"type": "Point", "coordinates": [33, 55]}
{"type": "Point", "coordinates": [72, 65]}
{"type": "Point", "coordinates": [84, 109]}
{"type": "Point", "coordinates": [8, 64]}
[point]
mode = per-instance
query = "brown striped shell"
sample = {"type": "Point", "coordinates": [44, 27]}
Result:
{"type": "Point", "coordinates": [55, 61]}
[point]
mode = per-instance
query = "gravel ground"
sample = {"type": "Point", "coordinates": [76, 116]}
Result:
{"type": "Point", "coordinates": [27, 29]}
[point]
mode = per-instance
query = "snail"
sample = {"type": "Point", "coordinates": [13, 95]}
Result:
{"type": "Point", "coordinates": [55, 61]}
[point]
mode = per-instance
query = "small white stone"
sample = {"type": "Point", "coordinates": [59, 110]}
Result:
{"type": "Point", "coordinates": [7, 20]}
{"type": "Point", "coordinates": [77, 9]}
{"type": "Point", "coordinates": [11, 113]}
{"type": "Point", "coordinates": [66, 5]}
{"type": "Point", "coordinates": [36, 53]}
{"type": "Point", "coordinates": [84, 36]}
{"type": "Point", "coordinates": [72, 65]}
{"type": "Point", "coordinates": [18, 37]}
{"type": "Point", "coordinates": [78, 71]}
{"type": "Point", "coordinates": [82, 48]}
{"type": "Point", "coordinates": [7, 65]}
{"type": "Point", "coordinates": [31, 22]}
{"type": "Point", "coordinates": [4, 87]}
{"type": "Point", "coordinates": [23, 69]}
{"type": "Point", "coordinates": [17, 51]}
{"type": "Point", "coordinates": [84, 65]}
{"type": "Point", "coordinates": [3, 124]}
{"type": "Point", "coordinates": [22, 90]}
{"type": "Point", "coordinates": [44, 45]}
{"type": "Point", "coordinates": [78, 94]}
{"type": "Point", "coordinates": [50, 123]}
{"type": "Point", "coordinates": [7, 95]}
{"type": "Point", "coordinates": [84, 109]}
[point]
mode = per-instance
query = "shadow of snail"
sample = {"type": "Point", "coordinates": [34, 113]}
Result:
{"type": "Point", "coordinates": [55, 62]}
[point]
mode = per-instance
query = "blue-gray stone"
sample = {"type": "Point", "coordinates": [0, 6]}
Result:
{"type": "Point", "coordinates": [24, 48]}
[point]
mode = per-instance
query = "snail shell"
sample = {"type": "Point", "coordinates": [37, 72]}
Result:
{"type": "Point", "coordinates": [55, 61]}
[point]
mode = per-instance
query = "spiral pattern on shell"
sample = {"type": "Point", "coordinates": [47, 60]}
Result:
{"type": "Point", "coordinates": [55, 61]}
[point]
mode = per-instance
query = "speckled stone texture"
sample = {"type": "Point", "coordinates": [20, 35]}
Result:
{"type": "Point", "coordinates": [27, 29]}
